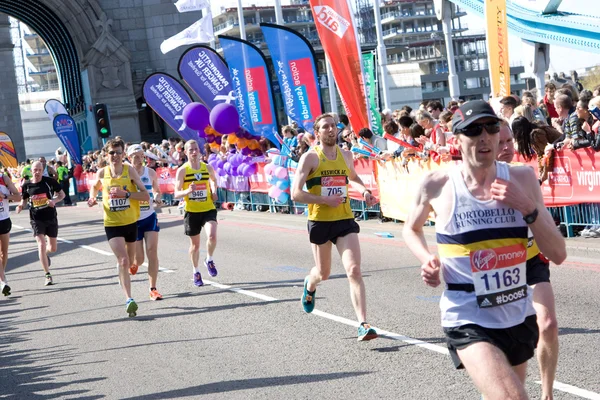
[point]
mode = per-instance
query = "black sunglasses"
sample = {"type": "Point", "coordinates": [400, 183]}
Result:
{"type": "Point", "coordinates": [113, 152]}
{"type": "Point", "coordinates": [476, 129]}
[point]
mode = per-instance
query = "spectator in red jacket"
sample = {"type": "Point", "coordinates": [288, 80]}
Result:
{"type": "Point", "coordinates": [548, 100]}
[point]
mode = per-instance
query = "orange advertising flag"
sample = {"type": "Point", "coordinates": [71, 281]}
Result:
{"type": "Point", "coordinates": [335, 26]}
{"type": "Point", "coordinates": [8, 156]}
{"type": "Point", "coordinates": [497, 41]}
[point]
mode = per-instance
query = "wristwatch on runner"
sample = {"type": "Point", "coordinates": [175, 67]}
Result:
{"type": "Point", "coordinates": [127, 195]}
{"type": "Point", "coordinates": [530, 218]}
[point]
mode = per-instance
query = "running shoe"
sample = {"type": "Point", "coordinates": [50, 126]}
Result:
{"type": "Point", "coordinates": [48, 281]}
{"type": "Point", "coordinates": [212, 269]}
{"type": "Point", "coordinates": [365, 332]}
{"type": "Point", "coordinates": [198, 279]}
{"type": "Point", "coordinates": [131, 307]}
{"type": "Point", "coordinates": [6, 290]}
{"type": "Point", "coordinates": [133, 269]}
{"type": "Point", "coordinates": [154, 295]}
{"type": "Point", "coordinates": [308, 298]}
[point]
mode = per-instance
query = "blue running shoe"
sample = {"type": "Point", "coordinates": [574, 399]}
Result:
{"type": "Point", "coordinates": [212, 269]}
{"type": "Point", "coordinates": [131, 308]}
{"type": "Point", "coordinates": [308, 298]}
{"type": "Point", "coordinates": [365, 332]}
{"type": "Point", "coordinates": [198, 279]}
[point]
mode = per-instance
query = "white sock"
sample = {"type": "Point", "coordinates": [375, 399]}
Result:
{"type": "Point", "coordinates": [208, 258]}
{"type": "Point", "coordinates": [195, 269]}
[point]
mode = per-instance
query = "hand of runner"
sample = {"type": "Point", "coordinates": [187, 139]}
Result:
{"type": "Point", "coordinates": [215, 196]}
{"type": "Point", "coordinates": [511, 194]}
{"type": "Point", "coordinates": [333, 201]}
{"type": "Point", "coordinates": [430, 271]}
{"type": "Point", "coordinates": [92, 202]}
{"type": "Point", "coordinates": [370, 199]}
{"type": "Point", "coordinates": [158, 202]}
{"type": "Point", "coordinates": [117, 192]}
{"type": "Point", "coordinates": [51, 203]}
{"type": "Point", "coordinates": [19, 209]}
{"type": "Point", "coordinates": [192, 187]}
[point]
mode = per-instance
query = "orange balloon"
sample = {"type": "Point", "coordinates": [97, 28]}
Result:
{"type": "Point", "coordinates": [253, 145]}
{"type": "Point", "coordinates": [232, 139]}
{"type": "Point", "coordinates": [215, 146]}
{"type": "Point", "coordinates": [242, 142]}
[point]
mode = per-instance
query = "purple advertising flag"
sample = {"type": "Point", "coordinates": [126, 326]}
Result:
{"type": "Point", "coordinates": [207, 74]}
{"type": "Point", "coordinates": [66, 130]}
{"type": "Point", "coordinates": [167, 97]}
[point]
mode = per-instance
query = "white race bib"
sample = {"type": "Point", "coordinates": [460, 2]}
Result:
{"type": "Point", "coordinates": [334, 186]}
{"type": "Point", "coordinates": [200, 194]}
{"type": "Point", "coordinates": [499, 275]}
{"type": "Point", "coordinates": [117, 203]}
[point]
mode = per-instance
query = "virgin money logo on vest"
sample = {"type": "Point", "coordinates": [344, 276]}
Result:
{"type": "Point", "coordinates": [484, 260]}
{"type": "Point", "coordinates": [331, 20]}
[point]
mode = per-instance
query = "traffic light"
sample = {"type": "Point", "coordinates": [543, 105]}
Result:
{"type": "Point", "coordinates": [102, 120]}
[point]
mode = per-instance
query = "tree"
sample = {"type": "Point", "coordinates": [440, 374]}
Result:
{"type": "Point", "coordinates": [592, 79]}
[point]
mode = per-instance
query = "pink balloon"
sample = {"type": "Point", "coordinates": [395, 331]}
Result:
{"type": "Point", "coordinates": [274, 192]}
{"type": "Point", "coordinates": [281, 172]}
{"type": "Point", "coordinates": [269, 168]}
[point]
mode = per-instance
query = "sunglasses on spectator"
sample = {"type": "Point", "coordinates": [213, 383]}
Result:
{"type": "Point", "coordinates": [114, 152]}
{"type": "Point", "coordinates": [476, 129]}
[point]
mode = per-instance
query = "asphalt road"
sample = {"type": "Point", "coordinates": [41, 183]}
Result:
{"type": "Point", "coordinates": [246, 336]}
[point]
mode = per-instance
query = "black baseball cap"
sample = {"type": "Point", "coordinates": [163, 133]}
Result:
{"type": "Point", "coordinates": [471, 111]}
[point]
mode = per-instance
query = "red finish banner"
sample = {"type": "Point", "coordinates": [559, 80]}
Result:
{"type": "Point", "coordinates": [366, 170]}
{"type": "Point", "coordinates": [258, 181]}
{"type": "Point", "coordinates": [166, 179]}
{"type": "Point", "coordinates": [335, 26]}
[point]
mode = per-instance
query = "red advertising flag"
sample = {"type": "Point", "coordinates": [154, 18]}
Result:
{"type": "Point", "coordinates": [335, 26]}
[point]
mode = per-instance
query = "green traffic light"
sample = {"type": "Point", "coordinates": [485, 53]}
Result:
{"type": "Point", "coordinates": [104, 131]}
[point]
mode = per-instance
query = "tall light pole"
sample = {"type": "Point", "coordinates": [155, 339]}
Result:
{"type": "Point", "coordinates": [381, 56]}
{"type": "Point", "coordinates": [278, 12]}
{"type": "Point", "coordinates": [443, 11]}
{"type": "Point", "coordinates": [242, 23]}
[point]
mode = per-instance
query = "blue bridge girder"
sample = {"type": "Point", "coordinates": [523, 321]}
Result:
{"type": "Point", "coordinates": [565, 29]}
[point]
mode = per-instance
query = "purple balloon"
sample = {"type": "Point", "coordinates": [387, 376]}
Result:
{"type": "Point", "coordinates": [224, 118]}
{"type": "Point", "coordinates": [241, 168]}
{"type": "Point", "coordinates": [218, 140]}
{"type": "Point", "coordinates": [212, 156]}
{"type": "Point", "coordinates": [221, 172]}
{"type": "Point", "coordinates": [248, 135]}
{"type": "Point", "coordinates": [246, 151]}
{"type": "Point", "coordinates": [221, 164]}
{"type": "Point", "coordinates": [202, 134]}
{"type": "Point", "coordinates": [210, 138]}
{"type": "Point", "coordinates": [196, 116]}
{"type": "Point", "coordinates": [252, 168]}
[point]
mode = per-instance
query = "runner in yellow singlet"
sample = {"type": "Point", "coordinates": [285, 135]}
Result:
{"type": "Point", "coordinates": [122, 190]}
{"type": "Point", "coordinates": [197, 184]}
{"type": "Point", "coordinates": [326, 169]}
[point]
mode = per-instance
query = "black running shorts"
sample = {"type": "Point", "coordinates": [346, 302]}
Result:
{"type": "Point", "coordinates": [321, 232]}
{"type": "Point", "coordinates": [193, 222]}
{"type": "Point", "coordinates": [48, 228]}
{"type": "Point", "coordinates": [5, 226]}
{"type": "Point", "coordinates": [538, 270]}
{"type": "Point", "coordinates": [129, 232]}
{"type": "Point", "coordinates": [517, 343]}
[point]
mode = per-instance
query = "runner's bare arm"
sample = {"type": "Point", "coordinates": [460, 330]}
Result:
{"type": "Point", "coordinates": [522, 194]}
{"type": "Point", "coordinates": [14, 192]}
{"type": "Point", "coordinates": [179, 178]}
{"type": "Point", "coordinates": [142, 193]}
{"type": "Point", "coordinates": [308, 163]}
{"type": "Point", "coordinates": [356, 181]}
{"type": "Point", "coordinates": [155, 186]}
{"type": "Point", "coordinates": [213, 182]}
{"type": "Point", "coordinates": [429, 189]}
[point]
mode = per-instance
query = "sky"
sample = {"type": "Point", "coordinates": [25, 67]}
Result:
{"type": "Point", "coordinates": [561, 59]}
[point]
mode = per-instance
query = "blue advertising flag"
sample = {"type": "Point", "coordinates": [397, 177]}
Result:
{"type": "Point", "coordinates": [294, 61]}
{"type": "Point", "coordinates": [66, 130]}
{"type": "Point", "coordinates": [207, 74]}
{"type": "Point", "coordinates": [251, 87]}
{"type": "Point", "coordinates": [167, 97]}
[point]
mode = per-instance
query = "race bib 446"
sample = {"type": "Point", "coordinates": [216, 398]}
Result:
{"type": "Point", "coordinates": [499, 275]}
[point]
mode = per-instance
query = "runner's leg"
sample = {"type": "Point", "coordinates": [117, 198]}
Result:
{"type": "Point", "coordinates": [151, 239]}
{"type": "Point", "coordinates": [349, 248]}
{"type": "Point", "coordinates": [483, 360]}
{"type": "Point", "coordinates": [195, 251]}
{"type": "Point", "coordinates": [43, 255]}
{"type": "Point", "coordinates": [4, 240]}
{"type": "Point", "coordinates": [139, 252]}
{"type": "Point", "coordinates": [211, 238]}
{"type": "Point", "coordinates": [120, 250]}
{"type": "Point", "coordinates": [547, 348]}
{"type": "Point", "coordinates": [322, 269]}
{"type": "Point", "coordinates": [52, 245]}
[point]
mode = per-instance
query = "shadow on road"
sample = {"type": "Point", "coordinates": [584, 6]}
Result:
{"type": "Point", "coordinates": [576, 331]}
{"type": "Point", "coordinates": [246, 384]}
{"type": "Point", "coordinates": [26, 374]}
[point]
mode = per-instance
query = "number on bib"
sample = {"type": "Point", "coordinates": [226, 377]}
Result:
{"type": "Point", "coordinates": [334, 186]}
{"type": "Point", "coordinates": [200, 194]}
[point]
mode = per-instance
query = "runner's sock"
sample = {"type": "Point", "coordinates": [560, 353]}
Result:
{"type": "Point", "coordinates": [208, 258]}
{"type": "Point", "coordinates": [195, 269]}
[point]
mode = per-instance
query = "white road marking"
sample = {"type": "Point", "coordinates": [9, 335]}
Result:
{"type": "Point", "coordinates": [161, 269]}
{"type": "Point", "coordinates": [563, 387]}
